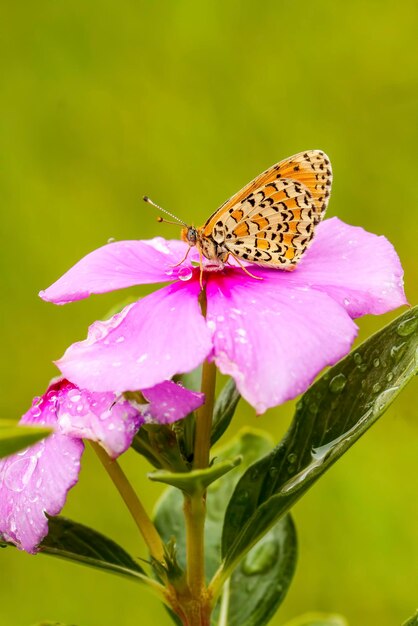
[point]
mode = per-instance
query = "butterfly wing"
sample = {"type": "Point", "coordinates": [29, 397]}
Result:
{"type": "Point", "coordinates": [271, 221]}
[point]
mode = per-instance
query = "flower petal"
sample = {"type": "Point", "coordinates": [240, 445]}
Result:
{"type": "Point", "coordinates": [118, 265]}
{"type": "Point", "coordinates": [103, 417]}
{"type": "Point", "coordinates": [170, 402]}
{"type": "Point", "coordinates": [148, 342]}
{"type": "Point", "coordinates": [272, 338]}
{"type": "Point", "coordinates": [358, 269]}
{"type": "Point", "coordinates": [35, 482]}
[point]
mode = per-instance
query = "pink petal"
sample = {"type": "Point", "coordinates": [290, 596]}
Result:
{"type": "Point", "coordinates": [118, 265]}
{"type": "Point", "coordinates": [103, 417]}
{"type": "Point", "coordinates": [359, 270]}
{"type": "Point", "coordinates": [170, 402]}
{"type": "Point", "coordinates": [35, 482]}
{"type": "Point", "coordinates": [273, 338]}
{"type": "Point", "coordinates": [148, 342]}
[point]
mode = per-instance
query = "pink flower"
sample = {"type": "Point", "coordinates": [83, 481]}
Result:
{"type": "Point", "coordinates": [272, 336]}
{"type": "Point", "coordinates": [35, 482]}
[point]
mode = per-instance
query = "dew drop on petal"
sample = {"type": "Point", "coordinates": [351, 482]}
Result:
{"type": "Point", "coordinates": [185, 273]}
{"type": "Point", "coordinates": [19, 473]}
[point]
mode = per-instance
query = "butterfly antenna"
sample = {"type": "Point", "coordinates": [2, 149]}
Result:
{"type": "Point", "coordinates": [146, 199]}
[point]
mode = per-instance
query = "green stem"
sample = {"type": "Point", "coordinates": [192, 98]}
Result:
{"type": "Point", "coordinates": [204, 417]}
{"type": "Point", "coordinates": [195, 513]}
{"type": "Point", "coordinates": [224, 608]}
{"type": "Point", "coordinates": [140, 516]}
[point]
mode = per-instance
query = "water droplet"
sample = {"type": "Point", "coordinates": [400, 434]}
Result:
{"type": "Point", "coordinates": [346, 301]}
{"type": "Point", "coordinates": [357, 358]}
{"type": "Point", "coordinates": [389, 377]}
{"type": "Point", "coordinates": [376, 362]}
{"type": "Point", "coordinates": [142, 358]}
{"type": "Point", "coordinates": [384, 399]}
{"type": "Point", "coordinates": [273, 471]}
{"type": "Point", "coordinates": [261, 557]}
{"type": "Point", "coordinates": [292, 457]}
{"type": "Point", "coordinates": [313, 408]}
{"type": "Point", "coordinates": [254, 474]}
{"type": "Point", "coordinates": [337, 383]}
{"type": "Point", "coordinates": [19, 473]}
{"type": "Point", "coordinates": [407, 327]}
{"type": "Point", "coordinates": [211, 325]}
{"type": "Point", "coordinates": [376, 388]}
{"type": "Point", "coordinates": [185, 273]}
{"type": "Point", "coordinates": [111, 240]}
{"type": "Point", "coordinates": [242, 497]}
{"type": "Point", "coordinates": [120, 339]}
{"type": "Point", "coordinates": [397, 352]}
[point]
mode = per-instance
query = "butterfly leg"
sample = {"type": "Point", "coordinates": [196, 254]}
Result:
{"type": "Point", "coordinates": [201, 268]}
{"type": "Point", "coordinates": [183, 259]}
{"type": "Point", "coordinates": [244, 268]}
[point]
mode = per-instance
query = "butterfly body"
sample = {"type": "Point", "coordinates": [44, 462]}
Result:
{"type": "Point", "coordinates": [272, 220]}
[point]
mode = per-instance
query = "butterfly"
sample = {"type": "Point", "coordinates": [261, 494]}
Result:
{"type": "Point", "coordinates": [272, 220]}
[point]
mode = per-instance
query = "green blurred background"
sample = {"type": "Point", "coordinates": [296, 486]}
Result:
{"type": "Point", "coordinates": [102, 102]}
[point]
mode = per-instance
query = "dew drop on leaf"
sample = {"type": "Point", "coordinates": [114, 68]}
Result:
{"type": "Point", "coordinates": [261, 558]}
{"type": "Point", "coordinates": [397, 352]}
{"type": "Point", "coordinates": [337, 383]}
{"type": "Point", "coordinates": [407, 327]}
{"type": "Point", "coordinates": [357, 358]}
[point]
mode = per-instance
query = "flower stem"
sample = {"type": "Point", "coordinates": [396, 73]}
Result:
{"type": "Point", "coordinates": [204, 417]}
{"type": "Point", "coordinates": [140, 516]}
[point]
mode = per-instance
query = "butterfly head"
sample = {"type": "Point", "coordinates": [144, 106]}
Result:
{"type": "Point", "coordinates": [190, 235]}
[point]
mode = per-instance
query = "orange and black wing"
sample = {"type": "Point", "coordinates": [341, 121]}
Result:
{"type": "Point", "coordinates": [271, 221]}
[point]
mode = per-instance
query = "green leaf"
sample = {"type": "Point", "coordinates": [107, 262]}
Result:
{"type": "Point", "coordinates": [260, 582]}
{"type": "Point", "coordinates": [318, 619]}
{"type": "Point", "coordinates": [76, 542]}
{"type": "Point", "coordinates": [158, 443]}
{"type": "Point", "coordinates": [330, 417]}
{"type": "Point", "coordinates": [14, 437]}
{"type": "Point", "coordinates": [224, 410]}
{"type": "Point", "coordinates": [412, 621]}
{"type": "Point", "coordinates": [196, 480]}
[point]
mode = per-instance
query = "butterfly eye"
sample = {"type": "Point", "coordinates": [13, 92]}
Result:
{"type": "Point", "coordinates": [191, 235]}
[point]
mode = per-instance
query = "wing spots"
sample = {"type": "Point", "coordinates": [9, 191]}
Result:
{"type": "Point", "coordinates": [260, 221]}
{"type": "Point", "coordinates": [237, 215]}
{"type": "Point", "coordinates": [241, 230]}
